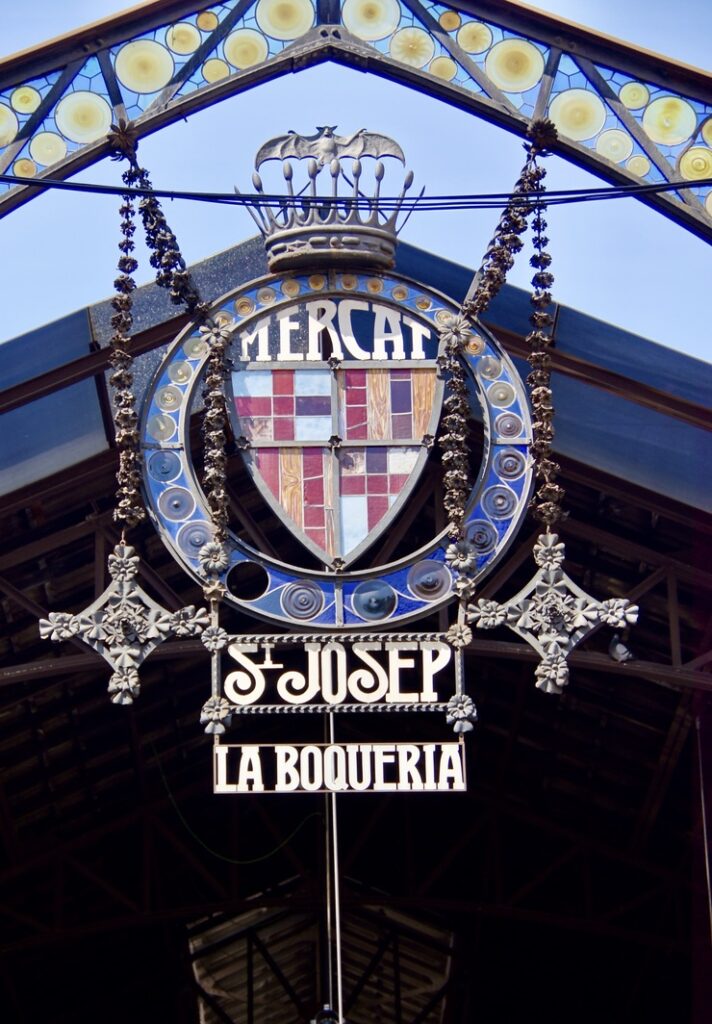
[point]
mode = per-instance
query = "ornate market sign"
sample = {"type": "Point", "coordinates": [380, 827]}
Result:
{"type": "Point", "coordinates": [335, 376]}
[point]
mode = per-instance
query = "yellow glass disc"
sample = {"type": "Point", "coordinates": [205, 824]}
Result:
{"type": "Point", "coordinates": [183, 38]}
{"type": "Point", "coordinates": [349, 282]}
{"type": "Point", "coordinates": [144, 66]}
{"type": "Point", "coordinates": [215, 69]}
{"type": "Point", "coordinates": [450, 20]}
{"type": "Point", "coordinates": [223, 318]}
{"type": "Point", "coordinates": [400, 293]}
{"type": "Point", "coordinates": [578, 114]}
{"type": "Point", "coordinates": [474, 37]}
{"type": "Point", "coordinates": [290, 287]}
{"type": "Point", "coordinates": [244, 306]}
{"type": "Point", "coordinates": [639, 165]}
{"type": "Point", "coordinates": [24, 168]}
{"type": "Point", "coordinates": [169, 398]}
{"type": "Point", "coordinates": [475, 345]}
{"type": "Point", "coordinates": [83, 116]}
{"type": "Point", "coordinates": [245, 48]}
{"type": "Point", "coordinates": [615, 145]}
{"type": "Point", "coordinates": [374, 285]}
{"type": "Point", "coordinates": [634, 95]}
{"type": "Point", "coordinates": [371, 19]}
{"type": "Point", "coordinates": [696, 163]}
{"type": "Point", "coordinates": [514, 65]}
{"type": "Point", "coordinates": [196, 347]}
{"type": "Point", "coordinates": [489, 367]}
{"type": "Point", "coordinates": [207, 21]}
{"type": "Point", "coordinates": [443, 67]}
{"type": "Point", "coordinates": [669, 121]}
{"type": "Point", "coordinates": [707, 131]}
{"type": "Point", "coordinates": [25, 99]}
{"type": "Point", "coordinates": [412, 46]}
{"type": "Point", "coordinates": [8, 125]}
{"type": "Point", "coordinates": [285, 19]}
{"type": "Point", "coordinates": [161, 427]}
{"type": "Point", "coordinates": [48, 148]}
{"type": "Point", "coordinates": [317, 282]}
{"type": "Point", "coordinates": [180, 372]}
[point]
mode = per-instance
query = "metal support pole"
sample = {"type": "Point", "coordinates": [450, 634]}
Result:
{"type": "Point", "coordinates": [336, 890]}
{"type": "Point", "coordinates": [333, 898]}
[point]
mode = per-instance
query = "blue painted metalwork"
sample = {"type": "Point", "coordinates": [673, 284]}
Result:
{"type": "Point", "coordinates": [618, 111]}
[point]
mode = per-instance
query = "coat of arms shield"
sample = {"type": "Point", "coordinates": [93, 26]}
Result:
{"type": "Point", "coordinates": [336, 452]}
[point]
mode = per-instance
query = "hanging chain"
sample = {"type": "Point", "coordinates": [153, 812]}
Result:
{"type": "Point", "coordinates": [498, 260]}
{"type": "Point", "coordinates": [173, 276]}
{"type": "Point", "coordinates": [129, 509]}
{"type": "Point", "coordinates": [545, 506]}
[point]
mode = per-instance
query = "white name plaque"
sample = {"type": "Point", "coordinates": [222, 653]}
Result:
{"type": "Point", "coordinates": [396, 675]}
{"type": "Point", "coordinates": [340, 768]}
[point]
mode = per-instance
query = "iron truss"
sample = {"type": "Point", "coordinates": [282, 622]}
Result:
{"type": "Point", "coordinates": [628, 115]}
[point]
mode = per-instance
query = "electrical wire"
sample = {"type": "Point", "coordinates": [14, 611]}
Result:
{"type": "Point", "coordinates": [481, 201]}
{"type": "Point", "coordinates": [705, 837]}
{"type": "Point", "coordinates": [215, 853]}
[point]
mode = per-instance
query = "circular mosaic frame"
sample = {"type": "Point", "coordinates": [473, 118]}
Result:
{"type": "Point", "coordinates": [495, 510]}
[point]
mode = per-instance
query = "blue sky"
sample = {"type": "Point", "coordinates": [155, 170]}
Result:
{"type": "Point", "coordinates": [619, 261]}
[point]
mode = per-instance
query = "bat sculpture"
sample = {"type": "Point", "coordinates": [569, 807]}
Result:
{"type": "Point", "coordinates": [325, 146]}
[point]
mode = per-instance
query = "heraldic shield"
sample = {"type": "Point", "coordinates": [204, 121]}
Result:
{"type": "Point", "coordinates": [336, 451]}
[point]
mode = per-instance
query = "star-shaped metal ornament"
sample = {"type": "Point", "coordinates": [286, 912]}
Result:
{"type": "Point", "coordinates": [552, 614]}
{"type": "Point", "coordinates": [124, 625]}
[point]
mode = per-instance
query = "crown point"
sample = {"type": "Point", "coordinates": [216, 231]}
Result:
{"type": "Point", "coordinates": [257, 181]}
{"type": "Point", "coordinates": [408, 181]}
{"type": "Point", "coordinates": [332, 232]}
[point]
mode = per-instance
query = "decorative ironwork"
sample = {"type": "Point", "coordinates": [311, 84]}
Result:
{"type": "Point", "coordinates": [129, 508]}
{"type": "Point", "coordinates": [173, 275]}
{"type": "Point", "coordinates": [385, 415]}
{"type": "Point", "coordinates": [325, 146]}
{"type": "Point", "coordinates": [124, 625]}
{"type": "Point", "coordinates": [319, 709]}
{"type": "Point", "coordinates": [552, 614]}
{"type": "Point", "coordinates": [216, 715]}
{"type": "Point", "coordinates": [461, 332]}
{"type": "Point", "coordinates": [310, 230]}
{"type": "Point", "coordinates": [651, 118]}
{"type": "Point", "coordinates": [461, 713]}
{"type": "Point", "coordinates": [546, 504]}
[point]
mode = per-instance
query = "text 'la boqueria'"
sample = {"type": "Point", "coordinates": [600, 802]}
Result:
{"type": "Point", "coordinates": [339, 768]}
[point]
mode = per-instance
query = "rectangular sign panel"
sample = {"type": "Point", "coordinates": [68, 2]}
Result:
{"type": "Point", "coordinates": [344, 674]}
{"type": "Point", "coordinates": [339, 768]}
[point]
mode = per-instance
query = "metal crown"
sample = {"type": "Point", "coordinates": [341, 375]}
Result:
{"type": "Point", "coordinates": [345, 226]}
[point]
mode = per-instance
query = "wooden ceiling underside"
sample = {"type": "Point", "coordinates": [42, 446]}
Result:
{"type": "Point", "coordinates": [571, 854]}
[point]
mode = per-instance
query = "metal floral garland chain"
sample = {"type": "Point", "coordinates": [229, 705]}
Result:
{"type": "Point", "coordinates": [124, 624]}
{"type": "Point", "coordinates": [172, 274]}
{"type": "Point", "coordinates": [497, 261]}
{"type": "Point", "coordinates": [547, 501]}
{"type": "Point", "coordinates": [551, 612]}
{"type": "Point", "coordinates": [129, 511]}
